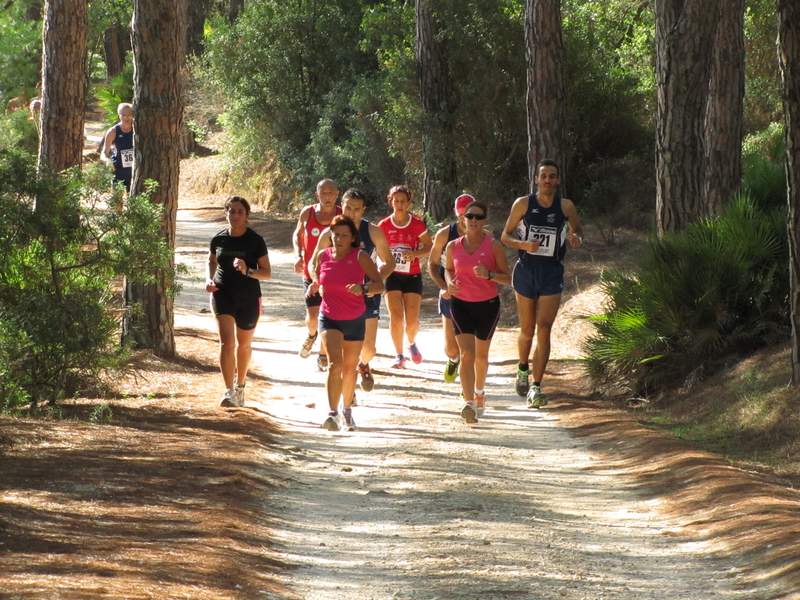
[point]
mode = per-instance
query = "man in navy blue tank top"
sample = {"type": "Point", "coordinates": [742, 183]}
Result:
{"type": "Point", "coordinates": [539, 227]}
{"type": "Point", "coordinates": [119, 139]}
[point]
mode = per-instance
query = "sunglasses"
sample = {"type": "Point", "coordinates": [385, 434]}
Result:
{"type": "Point", "coordinates": [471, 216]}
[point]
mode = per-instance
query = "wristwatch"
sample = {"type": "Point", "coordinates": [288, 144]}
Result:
{"type": "Point", "coordinates": [364, 289]}
{"type": "Point", "coordinates": [250, 272]}
{"type": "Point", "coordinates": [491, 276]}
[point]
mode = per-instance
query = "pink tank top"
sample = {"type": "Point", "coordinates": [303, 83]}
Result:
{"type": "Point", "coordinates": [474, 288]}
{"type": "Point", "coordinates": [335, 276]}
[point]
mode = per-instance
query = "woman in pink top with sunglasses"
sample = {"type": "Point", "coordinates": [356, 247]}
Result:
{"type": "Point", "coordinates": [474, 265]}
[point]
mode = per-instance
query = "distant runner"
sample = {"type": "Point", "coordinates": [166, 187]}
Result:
{"type": "Point", "coordinates": [237, 261]}
{"type": "Point", "coordinates": [312, 221]}
{"type": "Point", "coordinates": [537, 227]}
{"type": "Point", "coordinates": [119, 141]}
{"type": "Point", "coordinates": [408, 239]}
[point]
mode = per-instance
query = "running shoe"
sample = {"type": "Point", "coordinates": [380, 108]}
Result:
{"type": "Point", "coordinates": [468, 414]}
{"type": "Point", "coordinates": [322, 362]}
{"type": "Point", "coordinates": [523, 382]}
{"type": "Point", "coordinates": [416, 355]}
{"type": "Point", "coordinates": [239, 395]}
{"type": "Point", "coordinates": [480, 404]}
{"type": "Point", "coordinates": [305, 351]}
{"type": "Point", "coordinates": [399, 362]}
{"type": "Point", "coordinates": [536, 399]}
{"type": "Point", "coordinates": [332, 422]}
{"type": "Point", "coordinates": [229, 398]}
{"type": "Point", "coordinates": [349, 422]}
{"type": "Point", "coordinates": [367, 382]}
{"type": "Point", "coordinates": [353, 401]}
{"type": "Point", "coordinates": [450, 371]}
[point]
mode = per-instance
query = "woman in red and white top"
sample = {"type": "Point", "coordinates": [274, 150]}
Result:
{"type": "Point", "coordinates": [338, 274]}
{"type": "Point", "coordinates": [474, 264]}
{"type": "Point", "coordinates": [408, 239]}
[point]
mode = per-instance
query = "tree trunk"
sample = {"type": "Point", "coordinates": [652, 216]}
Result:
{"type": "Point", "coordinates": [545, 97]}
{"type": "Point", "coordinates": [63, 84]}
{"type": "Point", "coordinates": [116, 45]}
{"type": "Point", "coordinates": [789, 59]}
{"type": "Point", "coordinates": [234, 8]}
{"type": "Point", "coordinates": [195, 29]}
{"type": "Point", "coordinates": [159, 42]}
{"type": "Point", "coordinates": [439, 180]}
{"type": "Point", "coordinates": [685, 31]}
{"type": "Point", "coordinates": [724, 110]}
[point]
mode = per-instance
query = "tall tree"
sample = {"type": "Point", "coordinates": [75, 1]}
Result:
{"type": "Point", "coordinates": [159, 43]}
{"type": "Point", "coordinates": [234, 8]}
{"type": "Point", "coordinates": [789, 59]}
{"type": "Point", "coordinates": [724, 110]}
{"type": "Point", "coordinates": [545, 96]}
{"type": "Point", "coordinates": [63, 84]}
{"type": "Point", "coordinates": [116, 45]}
{"type": "Point", "coordinates": [439, 165]}
{"type": "Point", "coordinates": [685, 34]}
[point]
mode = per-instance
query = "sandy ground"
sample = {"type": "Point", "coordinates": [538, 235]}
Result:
{"type": "Point", "coordinates": [415, 504]}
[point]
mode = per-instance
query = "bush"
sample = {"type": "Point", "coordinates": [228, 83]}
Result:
{"type": "Point", "coordinates": [64, 240]}
{"type": "Point", "coordinates": [763, 166]}
{"type": "Point", "coordinates": [18, 132]}
{"type": "Point", "coordinates": [717, 290]}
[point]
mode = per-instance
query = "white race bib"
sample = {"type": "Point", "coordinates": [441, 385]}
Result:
{"type": "Point", "coordinates": [548, 239]}
{"type": "Point", "coordinates": [127, 158]}
{"type": "Point", "coordinates": [402, 266]}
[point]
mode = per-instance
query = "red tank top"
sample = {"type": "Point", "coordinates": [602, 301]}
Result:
{"type": "Point", "coordinates": [311, 236]}
{"type": "Point", "coordinates": [474, 288]}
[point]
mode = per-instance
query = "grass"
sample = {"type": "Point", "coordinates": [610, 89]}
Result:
{"type": "Point", "coordinates": [747, 413]}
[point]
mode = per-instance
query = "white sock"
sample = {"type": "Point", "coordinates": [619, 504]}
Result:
{"type": "Point", "coordinates": [479, 392]}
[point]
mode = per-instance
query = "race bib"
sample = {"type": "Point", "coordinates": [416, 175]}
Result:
{"type": "Point", "coordinates": [127, 158]}
{"type": "Point", "coordinates": [402, 266]}
{"type": "Point", "coordinates": [548, 238]}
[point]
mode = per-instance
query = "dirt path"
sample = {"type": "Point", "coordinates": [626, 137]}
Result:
{"type": "Point", "coordinates": [417, 505]}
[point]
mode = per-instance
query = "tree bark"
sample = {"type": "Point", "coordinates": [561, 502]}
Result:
{"type": "Point", "coordinates": [724, 110]}
{"type": "Point", "coordinates": [63, 84]}
{"type": "Point", "coordinates": [439, 180]}
{"type": "Point", "coordinates": [789, 59]}
{"type": "Point", "coordinates": [159, 43]}
{"type": "Point", "coordinates": [116, 45]}
{"type": "Point", "coordinates": [234, 8]}
{"type": "Point", "coordinates": [195, 28]}
{"type": "Point", "coordinates": [545, 97]}
{"type": "Point", "coordinates": [685, 32]}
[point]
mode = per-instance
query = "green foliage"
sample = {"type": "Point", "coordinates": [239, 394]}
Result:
{"type": "Point", "coordinates": [18, 132]}
{"type": "Point", "coordinates": [64, 240]}
{"type": "Point", "coordinates": [20, 53]}
{"type": "Point", "coordinates": [110, 96]}
{"type": "Point", "coordinates": [716, 290]}
{"type": "Point", "coordinates": [763, 166]}
{"type": "Point", "coordinates": [762, 100]}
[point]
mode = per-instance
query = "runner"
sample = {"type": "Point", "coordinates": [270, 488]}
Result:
{"type": "Point", "coordinates": [408, 239]}
{"type": "Point", "coordinates": [312, 220]}
{"type": "Point", "coordinates": [237, 260]}
{"type": "Point", "coordinates": [537, 227]}
{"type": "Point", "coordinates": [436, 270]}
{"type": "Point", "coordinates": [338, 275]}
{"type": "Point", "coordinates": [475, 264]}
{"type": "Point", "coordinates": [373, 242]}
{"type": "Point", "coordinates": [119, 139]}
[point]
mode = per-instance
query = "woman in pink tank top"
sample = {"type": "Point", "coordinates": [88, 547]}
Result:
{"type": "Point", "coordinates": [474, 265]}
{"type": "Point", "coordinates": [338, 273]}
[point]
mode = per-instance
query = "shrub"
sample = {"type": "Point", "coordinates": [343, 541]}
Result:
{"type": "Point", "coordinates": [717, 290]}
{"type": "Point", "coordinates": [64, 240]}
{"type": "Point", "coordinates": [763, 166]}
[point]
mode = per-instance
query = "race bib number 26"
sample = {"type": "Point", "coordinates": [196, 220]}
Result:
{"type": "Point", "coordinates": [402, 265]}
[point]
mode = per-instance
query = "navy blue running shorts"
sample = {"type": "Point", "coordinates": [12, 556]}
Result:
{"type": "Point", "coordinates": [541, 280]}
{"type": "Point", "coordinates": [352, 329]}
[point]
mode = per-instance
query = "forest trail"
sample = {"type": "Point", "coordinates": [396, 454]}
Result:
{"type": "Point", "coordinates": [417, 505]}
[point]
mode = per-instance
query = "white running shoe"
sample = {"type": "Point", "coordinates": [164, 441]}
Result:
{"type": "Point", "coordinates": [229, 398]}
